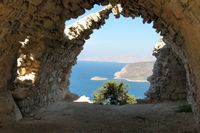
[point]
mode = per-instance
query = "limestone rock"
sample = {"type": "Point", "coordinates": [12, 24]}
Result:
{"type": "Point", "coordinates": [21, 93]}
{"type": "Point", "coordinates": [168, 81]}
{"type": "Point", "coordinates": [9, 110]}
{"type": "Point", "coordinates": [176, 20]}
{"type": "Point", "coordinates": [35, 2]}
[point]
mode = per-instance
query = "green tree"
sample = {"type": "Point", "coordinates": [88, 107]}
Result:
{"type": "Point", "coordinates": [114, 93]}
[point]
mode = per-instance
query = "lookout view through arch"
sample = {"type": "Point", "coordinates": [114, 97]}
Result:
{"type": "Point", "coordinates": [119, 42]}
{"type": "Point", "coordinates": [158, 89]}
{"type": "Point", "coordinates": [54, 54]}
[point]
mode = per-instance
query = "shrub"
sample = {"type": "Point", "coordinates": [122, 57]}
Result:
{"type": "Point", "coordinates": [114, 93]}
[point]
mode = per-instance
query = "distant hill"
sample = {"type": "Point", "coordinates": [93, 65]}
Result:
{"type": "Point", "coordinates": [136, 71]}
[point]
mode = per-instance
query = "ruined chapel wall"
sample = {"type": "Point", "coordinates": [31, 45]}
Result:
{"type": "Point", "coordinates": [178, 21]}
{"type": "Point", "coordinates": [168, 81]}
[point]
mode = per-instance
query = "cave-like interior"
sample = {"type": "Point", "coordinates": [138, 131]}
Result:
{"type": "Point", "coordinates": [37, 52]}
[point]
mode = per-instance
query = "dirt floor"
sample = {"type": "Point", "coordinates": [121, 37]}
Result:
{"type": "Point", "coordinates": [66, 117]}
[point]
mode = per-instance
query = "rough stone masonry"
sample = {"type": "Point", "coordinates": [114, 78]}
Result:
{"type": "Point", "coordinates": [53, 53]}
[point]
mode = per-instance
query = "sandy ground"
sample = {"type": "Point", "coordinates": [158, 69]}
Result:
{"type": "Point", "coordinates": [65, 117]}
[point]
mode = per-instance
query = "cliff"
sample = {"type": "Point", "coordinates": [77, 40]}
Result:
{"type": "Point", "coordinates": [135, 71]}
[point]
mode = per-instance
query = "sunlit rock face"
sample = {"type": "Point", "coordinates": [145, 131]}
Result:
{"type": "Point", "coordinates": [168, 81]}
{"type": "Point", "coordinates": [43, 21]}
{"type": "Point", "coordinates": [83, 28]}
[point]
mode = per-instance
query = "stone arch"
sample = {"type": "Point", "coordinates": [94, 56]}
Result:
{"type": "Point", "coordinates": [178, 21]}
{"type": "Point", "coordinates": [171, 36]}
{"type": "Point", "coordinates": [168, 66]}
{"type": "Point", "coordinates": [169, 20]}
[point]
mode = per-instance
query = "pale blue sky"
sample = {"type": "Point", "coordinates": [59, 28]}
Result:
{"type": "Point", "coordinates": [121, 39]}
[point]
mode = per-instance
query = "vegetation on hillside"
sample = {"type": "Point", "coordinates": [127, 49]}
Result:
{"type": "Point", "coordinates": [113, 93]}
{"type": "Point", "coordinates": [136, 71]}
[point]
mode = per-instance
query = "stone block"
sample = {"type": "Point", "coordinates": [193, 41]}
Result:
{"type": "Point", "coordinates": [35, 2]}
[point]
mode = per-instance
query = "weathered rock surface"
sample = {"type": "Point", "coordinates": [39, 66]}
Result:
{"type": "Point", "coordinates": [43, 21]}
{"type": "Point", "coordinates": [168, 81]}
{"type": "Point", "coordinates": [8, 110]}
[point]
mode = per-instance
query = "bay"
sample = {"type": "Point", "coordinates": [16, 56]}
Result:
{"type": "Point", "coordinates": [83, 71]}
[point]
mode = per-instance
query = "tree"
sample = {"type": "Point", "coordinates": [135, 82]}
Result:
{"type": "Point", "coordinates": [114, 93]}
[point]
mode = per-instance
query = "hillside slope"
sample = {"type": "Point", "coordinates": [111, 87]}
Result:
{"type": "Point", "coordinates": [135, 71]}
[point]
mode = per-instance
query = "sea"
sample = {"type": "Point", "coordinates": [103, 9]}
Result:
{"type": "Point", "coordinates": [83, 71]}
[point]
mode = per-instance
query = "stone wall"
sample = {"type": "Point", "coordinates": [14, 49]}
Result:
{"type": "Point", "coordinates": [168, 81]}
{"type": "Point", "coordinates": [50, 64]}
{"type": "Point", "coordinates": [177, 22]}
{"type": "Point", "coordinates": [43, 21]}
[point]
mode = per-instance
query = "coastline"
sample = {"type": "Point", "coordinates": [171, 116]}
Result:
{"type": "Point", "coordinates": [132, 80]}
{"type": "Point", "coordinates": [135, 72]}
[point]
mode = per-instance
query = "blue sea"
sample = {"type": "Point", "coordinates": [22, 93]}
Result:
{"type": "Point", "coordinates": [83, 71]}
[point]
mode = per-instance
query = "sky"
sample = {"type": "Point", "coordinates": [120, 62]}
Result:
{"type": "Point", "coordinates": [121, 40]}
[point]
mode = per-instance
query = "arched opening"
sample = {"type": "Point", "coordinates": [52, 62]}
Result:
{"type": "Point", "coordinates": [167, 65]}
{"type": "Point", "coordinates": [118, 43]}
{"type": "Point", "coordinates": [176, 21]}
